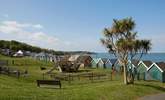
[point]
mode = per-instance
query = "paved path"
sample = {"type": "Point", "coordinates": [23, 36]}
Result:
{"type": "Point", "coordinates": [154, 97]}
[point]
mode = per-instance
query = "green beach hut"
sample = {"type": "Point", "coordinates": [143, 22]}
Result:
{"type": "Point", "coordinates": [94, 62]}
{"type": "Point", "coordinates": [142, 69]}
{"type": "Point", "coordinates": [101, 63]}
{"type": "Point", "coordinates": [104, 63]}
{"type": "Point", "coordinates": [157, 71]}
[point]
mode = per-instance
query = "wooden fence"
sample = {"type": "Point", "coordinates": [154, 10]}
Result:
{"type": "Point", "coordinates": [4, 69]}
{"type": "Point", "coordinates": [89, 76]}
{"type": "Point", "coordinates": [24, 62]}
{"type": "Point", "coordinates": [10, 72]}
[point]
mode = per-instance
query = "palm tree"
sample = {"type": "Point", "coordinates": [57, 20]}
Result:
{"type": "Point", "coordinates": [121, 40]}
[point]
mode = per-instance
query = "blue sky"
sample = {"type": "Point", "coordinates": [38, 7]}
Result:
{"type": "Point", "coordinates": [78, 24]}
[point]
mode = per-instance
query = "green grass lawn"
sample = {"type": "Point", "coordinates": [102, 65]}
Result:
{"type": "Point", "coordinates": [26, 88]}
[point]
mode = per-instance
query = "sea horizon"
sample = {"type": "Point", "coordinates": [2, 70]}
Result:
{"type": "Point", "coordinates": [155, 57]}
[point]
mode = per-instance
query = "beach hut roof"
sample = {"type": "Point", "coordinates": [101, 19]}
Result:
{"type": "Point", "coordinates": [147, 63]}
{"type": "Point", "coordinates": [135, 62]}
{"type": "Point", "coordinates": [113, 61]}
{"type": "Point", "coordinates": [96, 60]}
{"type": "Point", "coordinates": [40, 54]}
{"type": "Point", "coordinates": [159, 65]}
{"type": "Point", "coordinates": [83, 58]}
{"type": "Point", "coordinates": [104, 60]}
{"type": "Point", "coordinates": [44, 54]}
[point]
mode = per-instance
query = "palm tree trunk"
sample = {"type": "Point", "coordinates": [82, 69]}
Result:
{"type": "Point", "coordinates": [125, 74]}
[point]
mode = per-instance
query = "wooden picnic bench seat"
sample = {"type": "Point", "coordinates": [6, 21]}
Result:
{"type": "Point", "coordinates": [49, 82]}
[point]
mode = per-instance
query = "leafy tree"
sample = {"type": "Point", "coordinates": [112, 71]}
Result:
{"type": "Point", "coordinates": [15, 46]}
{"type": "Point", "coordinates": [121, 40]}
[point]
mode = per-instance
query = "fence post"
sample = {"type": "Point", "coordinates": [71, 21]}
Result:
{"type": "Point", "coordinates": [69, 78]}
{"type": "Point", "coordinates": [89, 75]}
{"type": "Point", "coordinates": [7, 62]}
{"type": "Point", "coordinates": [78, 77]}
{"type": "Point", "coordinates": [72, 76]}
{"type": "Point", "coordinates": [12, 62]}
{"type": "Point", "coordinates": [111, 76]}
{"type": "Point", "coordinates": [43, 76]}
{"type": "Point", "coordinates": [18, 74]}
{"type": "Point", "coordinates": [92, 77]}
{"type": "Point", "coordinates": [25, 63]}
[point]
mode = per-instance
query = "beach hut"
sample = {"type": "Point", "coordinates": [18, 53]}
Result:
{"type": "Point", "coordinates": [134, 63]}
{"type": "Point", "coordinates": [104, 63]}
{"type": "Point", "coordinates": [142, 70]}
{"type": "Point", "coordinates": [108, 63]}
{"type": "Point", "coordinates": [101, 63]}
{"type": "Point", "coordinates": [45, 57]}
{"type": "Point", "coordinates": [52, 57]}
{"type": "Point", "coordinates": [85, 60]}
{"type": "Point", "coordinates": [116, 64]}
{"type": "Point", "coordinates": [132, 66]}
{"type": "Point", "coordinates": [157, 71]}
{"type": "Point", "coordinates": [94, 62]}
{"type": "Point", "coordinates": [6, 52]}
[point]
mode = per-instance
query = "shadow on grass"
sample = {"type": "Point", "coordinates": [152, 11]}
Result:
{"type": "Point", "coordinates": [83, 70]}
{"type": "Point", "coordinates": [90, 82]}
{"type": "Point", "coordinates": [152, 86]}
{"type": "Point", "coordinates": [51, 87]}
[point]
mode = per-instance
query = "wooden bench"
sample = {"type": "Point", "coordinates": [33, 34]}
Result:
{"type": "Point", "coordinates": [42, 68]}
{"type": "Point", "coordinates": [49, 82]}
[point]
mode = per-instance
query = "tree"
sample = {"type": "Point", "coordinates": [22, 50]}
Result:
{"type": "Point", "coordinates": [121, 40]}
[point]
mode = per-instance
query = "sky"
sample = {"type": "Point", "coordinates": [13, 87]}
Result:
{"type": "Point", "coordinates": [71, 25]}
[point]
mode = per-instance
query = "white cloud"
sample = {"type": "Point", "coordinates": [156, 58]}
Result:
{"type": "Point", "coordinates": [29, 33]}
{"type": "Point", "coordinates": [38, 26]}
{"type": "Point", "coordinates": [40, 36]}
{"type": "Point", "coordinates": [18, 31]}
{"type": "Point", "coordinates": [15, 24]}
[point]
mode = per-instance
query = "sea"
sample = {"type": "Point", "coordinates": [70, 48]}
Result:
{"type": "Point", "coordinates": [155, 57]}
